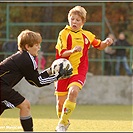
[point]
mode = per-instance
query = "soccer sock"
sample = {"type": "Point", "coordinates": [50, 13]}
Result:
{"type": "Point", "coordinates": [68, 108]}
{"type": "Point", "coordinates": [27, 123]}
{"type": "Point", "coordinates": [58, 112]}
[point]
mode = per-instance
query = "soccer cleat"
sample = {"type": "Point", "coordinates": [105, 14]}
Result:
{"type": "Point", "coordinates": [67, 125]}
{"type": "Point", "coordinates": [62, 127]}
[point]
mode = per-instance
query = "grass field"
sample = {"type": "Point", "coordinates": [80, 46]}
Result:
{"type": "Point", "coordinates": [87, 118]}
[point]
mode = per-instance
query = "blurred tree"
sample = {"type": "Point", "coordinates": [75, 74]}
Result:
{"type": "Point", "coordinates": [47, 30]}
{"type": "Point", "coordinates": [119, 15]}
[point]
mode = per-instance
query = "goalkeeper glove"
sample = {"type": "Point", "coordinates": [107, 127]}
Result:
{"type": "Point", "coordinates": [64, 73]}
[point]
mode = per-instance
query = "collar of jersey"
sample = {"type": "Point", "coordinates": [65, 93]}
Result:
{"type": "Point", "coordinates": [68, 27]}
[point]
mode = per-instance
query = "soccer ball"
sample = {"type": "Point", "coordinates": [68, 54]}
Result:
{"type": "Point", "coordinates": [56, 65]}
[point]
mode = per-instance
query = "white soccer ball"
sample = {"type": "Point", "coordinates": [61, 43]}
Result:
{"type": "Point", "coordinates": [56, 65]}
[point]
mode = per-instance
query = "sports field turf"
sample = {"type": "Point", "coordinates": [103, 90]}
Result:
{"type": "Point", "coordinates": [87, 118]}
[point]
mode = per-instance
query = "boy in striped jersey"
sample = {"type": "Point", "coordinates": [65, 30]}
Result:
{"type": "Point", "coordinates": [19, 65]}
{"type": "Point", "coordinates": [73, 44]}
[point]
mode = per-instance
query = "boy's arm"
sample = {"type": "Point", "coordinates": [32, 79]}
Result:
{"type": "Point", "coordinates": [69, 52]}
{"type": "Point", "coordinates": [107, 42]}
{"type": "Point", "coordinates": [31, 74]}
{"type": "Point", "coordinates": [45, 77]}
{"type": "Point", "coordinates": [39, 80]}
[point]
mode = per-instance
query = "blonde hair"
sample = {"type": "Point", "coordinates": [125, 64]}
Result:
{"type": "Point", "coordinates": [79, 11]}
{"type": "Point", "coordinates": [28, 37]}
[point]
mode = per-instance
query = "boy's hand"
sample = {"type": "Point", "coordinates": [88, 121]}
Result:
{"type": "Point", "coordinates": [108, 41]}
{"type": "Point", "coordinates": [76, 49]}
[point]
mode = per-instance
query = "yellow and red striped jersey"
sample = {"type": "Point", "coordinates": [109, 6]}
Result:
{"type": "Point", "coordinates": [68, 39]}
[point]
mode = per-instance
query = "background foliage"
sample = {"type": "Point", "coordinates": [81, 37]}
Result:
{"type": "Point", "coordinates": [119, 15]}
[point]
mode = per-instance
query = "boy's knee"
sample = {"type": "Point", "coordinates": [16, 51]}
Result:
{"type": "Point", "coordinates": [24, 105]}
{"type": "Point", "coordinates": [74, 92]}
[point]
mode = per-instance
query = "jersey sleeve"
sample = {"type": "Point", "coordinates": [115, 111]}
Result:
{"type": "Point", "coordinates": [61, 45]}
{"type": "Point", "coordinates": [31, 74]}
{"type": "Point", "coordinates": [41, 79]}
{"type": "Point", "coordinates": [93, 41]}
{"type": "Point", "coordinates": [96, 43]}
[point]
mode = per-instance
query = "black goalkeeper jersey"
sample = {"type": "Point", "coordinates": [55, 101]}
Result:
{"type": "Point", "coordinates": [22, 64]}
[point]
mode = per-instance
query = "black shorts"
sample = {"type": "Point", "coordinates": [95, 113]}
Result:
{"type": "Point", "coordinates": [9, 98]}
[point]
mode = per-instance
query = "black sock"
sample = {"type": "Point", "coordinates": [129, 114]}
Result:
{"type": "Point", "coordinates": [27, 123]}
{"type": "Point", "coordinates": [1, 109]}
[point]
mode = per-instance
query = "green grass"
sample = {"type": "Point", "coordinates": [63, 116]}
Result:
{"type": "Point", "coordinates": [85, 118]}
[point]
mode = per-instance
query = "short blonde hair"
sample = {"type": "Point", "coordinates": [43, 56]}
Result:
{"type": "Point", "coordinates": [79, 11]}
{"type": "Point", "coordinates": [28, 37]}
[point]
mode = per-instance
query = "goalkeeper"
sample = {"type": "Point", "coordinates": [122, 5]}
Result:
{"type": "Point", "coordinates": [19, 65]}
